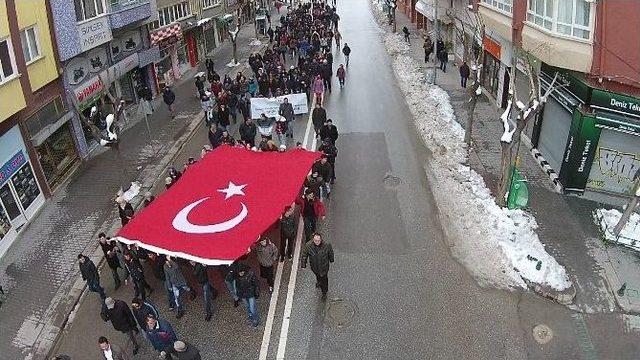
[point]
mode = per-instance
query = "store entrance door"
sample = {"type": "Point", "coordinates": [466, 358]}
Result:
{"type": "Point", "coordinates": [8, 197]}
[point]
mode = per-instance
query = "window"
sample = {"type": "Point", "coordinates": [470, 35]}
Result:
{"type": "Point", "coordinates": [47, 115]}
{"type": "Point", "coordinates": [7, 61]}
{"type": "Point", "coordinates": [172, 14]}
{"type": "Point", "coordinates": [504, 5]}
{"type": "Point", "coordinates": [30, 47]}
{"type": "Point", "coordinates": [87, 9]}
{"type": "Point", "coordinates": [210, 3]}
{"type": "Point", "coordinates": [566, 17]}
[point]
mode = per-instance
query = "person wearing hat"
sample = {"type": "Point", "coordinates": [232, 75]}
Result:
{"type": "Point", "coordinates": [122, 319]}
{"type": "Point", "coordinates": [282, 148]}
{"type": "Point", "coordinates": [168, 181]}
{"type": "Point", "coordinates": [183, 350]}
{"type": "Point", "coordinates": [281, 130]}
{"type": "Point", "coordinates": [110, 351]}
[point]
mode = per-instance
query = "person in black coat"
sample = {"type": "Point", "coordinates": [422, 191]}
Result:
{"type": "Point", "coordinates": [169, 97]}
{"type": "Point", "coordinates": [125, 210]}
{"type": "Point", "coordinates": [329, 131]}
{"type": "Point", "coordinates": [444, 59]}
{"type": "Point", "coordinates": [208, 291]}
{"type": "Point", "coordinates": [248, 132]}
{"type": "Point", "coordinates": [90, 274]}
{"type": "Point", "coordinates": [121, 317]}
{"type": "Point", "coordinates": [223, 117]}
{"type": "Point", "coordinates": [318, 117]}
{"type": "Point", "coordinates": [215, 136]}
{"type": "Point", "coordinates": [464, 74]}
{"type": "Point", "coordinates": [247, 289]}
{"type": "Point", "coordinates": [319, 253]}
{"type": "Point", "coordinates": [110, 254]}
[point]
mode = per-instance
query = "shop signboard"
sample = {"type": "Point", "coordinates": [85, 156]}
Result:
{"type": "Point", "coordinates": [574, 85]}
{"type": "Point", "coordinates": [87, 92]}
{"type": "Point", "coordinates": [580, 152]}
{"type": "Point", "coordinates": [491, 46]}
{"type": "Point", "coordinates": [94, 32]}
{"type": "Point", "coordinates": [11, 166]}
{"type": "Point", "coordinates": [615, 102]}
{"type": "Point", "coordinates": [120, 68]}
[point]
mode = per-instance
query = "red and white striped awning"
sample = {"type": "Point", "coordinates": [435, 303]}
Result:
{"type": "Point", "coordinates": [171, 31]}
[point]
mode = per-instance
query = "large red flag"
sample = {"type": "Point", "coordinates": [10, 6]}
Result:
{"type": "Point", "coordinates": [221, 204]}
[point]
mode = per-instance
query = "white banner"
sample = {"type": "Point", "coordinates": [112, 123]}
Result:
{"type": "Point", "coordinates": [270, 106]}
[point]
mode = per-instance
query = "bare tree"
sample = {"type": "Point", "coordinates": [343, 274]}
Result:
{"type": "Point", "coordinates": [474, 26]}
{"type": "Point", "coordinates": [520, 115]}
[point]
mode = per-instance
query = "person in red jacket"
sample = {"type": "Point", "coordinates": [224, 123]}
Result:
{"type": "Point", "coordinates": [311, 208]}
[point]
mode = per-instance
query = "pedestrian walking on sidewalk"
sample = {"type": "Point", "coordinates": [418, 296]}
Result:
{"type": "Point", "coordinates": [183, 350]}
{"type": "Point", "coordinates": [248, 290]}
{"type": "Point", "coordinates": [406, 33]}
{"type": "Point", "coordinates": [125, 210]}
{"type": "Point", "coordinates": [121, 317]}
{"type": "Point", "coordinates": [169, 97]}
{"type": "Point", "coordinates": [319, 253]}
{"type": "Point", "coordinates": [267, 254]}
{"type": "Point", "coordinates": [464, 74]}
{"type": "Point", "coordinates": [208, 291]}
{"type": "Point", "coordinates": [346, 50]}
{"type": "Point", "coordinates": [341, 73]}
{"type": "Point", "coordinates": [311, 208]}
{"type": "Point", "coordinates": [428, 48]}
{"type": "Point", "coordinates": [444, 59]}
{"type": "Point", "coordinates": [161, 335]}
{"type": "Point", "coordinates": [111, 351]}
{"type": "Point", "coordinates": [90, 274]}
{"type": "Point", "coordinates": [177, 282]}
{"type": "Point", "coordinates": [110, 254]}
{"type": "Point", "coordinates": [140, 284]}
{"type": "Point", "coordinates": [288, 228]}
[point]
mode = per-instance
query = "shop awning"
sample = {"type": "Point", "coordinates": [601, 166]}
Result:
{"type": "Point", "coordinates": [171, 31]}
{"type": "Point", "coordinates": [221, 204]}
{"type": "Point", "coordinates": [613, 121]}
{"type": "Point", "coordinates": [425, 8]}
{"type": "Point", "coordinates": [203, 21]}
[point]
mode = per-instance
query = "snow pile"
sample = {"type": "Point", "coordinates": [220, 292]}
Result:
{"type": "Point", "coordinates": [499, 246]}
{"type": "Point", "coordinates": [630, 234]}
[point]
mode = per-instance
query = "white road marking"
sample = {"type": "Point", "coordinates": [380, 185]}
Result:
{"type": "Point", "coordinates": [284, 331]}
{"type": "Point", "coordinates": [268, 326]}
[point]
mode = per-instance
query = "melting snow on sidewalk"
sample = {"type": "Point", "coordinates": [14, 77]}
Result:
{"type": "Point", "coordinates": [499, 246]}
{"type": "Point", "coordinates": [630, 234]}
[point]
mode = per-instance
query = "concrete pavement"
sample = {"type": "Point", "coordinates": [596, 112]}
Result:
{"type": "Point", "coordinates": [39, 272]}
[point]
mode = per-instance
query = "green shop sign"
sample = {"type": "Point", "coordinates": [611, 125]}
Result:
{"type": "Point", "coordinates": [583, 140]}
{"type": "Point", "coordinates": [578, 88]}
{"type": "Point", "coordinates": [615, 102]}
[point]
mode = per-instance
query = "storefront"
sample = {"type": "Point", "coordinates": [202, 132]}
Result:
{"type": "Point", "coordinates": [599, 133]}
{"type": "Point", "coordinates": [495, 74]}
{"type": "Point", "coordinates": [52, 135]}
{"type": "Point", "coordinates": [171, 44]}
{"type": "Point", "coordinates": [208, 35]}
{"type": "Point", "coordinates": [20, 193]}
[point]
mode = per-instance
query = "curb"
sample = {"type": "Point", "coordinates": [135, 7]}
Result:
{"type": "Point", "coordinates": [544, 165]}
{"type": "Point", "coordinates": [565, 297]}
{"type": "Point", "coordinates": [79, 288]}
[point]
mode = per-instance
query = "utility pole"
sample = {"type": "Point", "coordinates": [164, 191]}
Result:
{"type": "Point", "coordinates": [435, 41]}
{"type": "Point", "coordinates": [394, 6]}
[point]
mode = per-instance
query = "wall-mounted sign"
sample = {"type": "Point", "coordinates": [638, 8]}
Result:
{"type": "Point", "coordinates": [491, 46]}
{"type": "Point", "coordinates": [77, 70]}
{"type": "Point", "coordinates": [11, 166]}
{"type": "Point", "coordinates": [97, 59]}
{"type": "Point", "coordinates": [617, 102]}
{"type": "Point", "coordinates": [88, 91]}
{"type": "Point", "coordinates": [94, 33]}
{"type": "Point", "coordinates": [119, 69]}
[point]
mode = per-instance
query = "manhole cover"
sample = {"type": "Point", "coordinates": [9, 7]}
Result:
{"type": "Point", "coordinates": [391, 180]}
{"type": "Point", "coordinates": [542, 333]}
{"type": "Point", "coordinates": [341, 312]}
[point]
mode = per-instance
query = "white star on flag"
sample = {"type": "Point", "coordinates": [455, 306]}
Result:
{"type": "Point", "coordinates": [232, 189]}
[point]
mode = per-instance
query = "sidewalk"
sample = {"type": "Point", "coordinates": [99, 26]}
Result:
{"type": "Point", "coordinates": [39, 272]}
{"type": "Point", "coordinates": [565, 223]}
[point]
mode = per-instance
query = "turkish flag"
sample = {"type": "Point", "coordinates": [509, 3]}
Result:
{"type": "Point", "coordinates": [221, 204]}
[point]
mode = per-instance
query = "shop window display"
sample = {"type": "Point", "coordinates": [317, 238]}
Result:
{"type": "Point", "coordinates": [26, 186]}
{"type": "Point", "coordinates": [5, 225]}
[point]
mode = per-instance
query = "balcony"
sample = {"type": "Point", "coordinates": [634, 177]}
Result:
{"type": "Point", "coordinates": [125, 12]}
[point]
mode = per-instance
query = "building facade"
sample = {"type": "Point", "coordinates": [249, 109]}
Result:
{"type": "Point", "coordinates": [589, 130]}
{"type": "Point", "coordinates": [33, 151]}
{"type": "Point", "coordinates": [105, 54]}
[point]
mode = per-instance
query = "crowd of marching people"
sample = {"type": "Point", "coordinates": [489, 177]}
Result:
{"type": "Point", "coordinates": [298, 60]}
